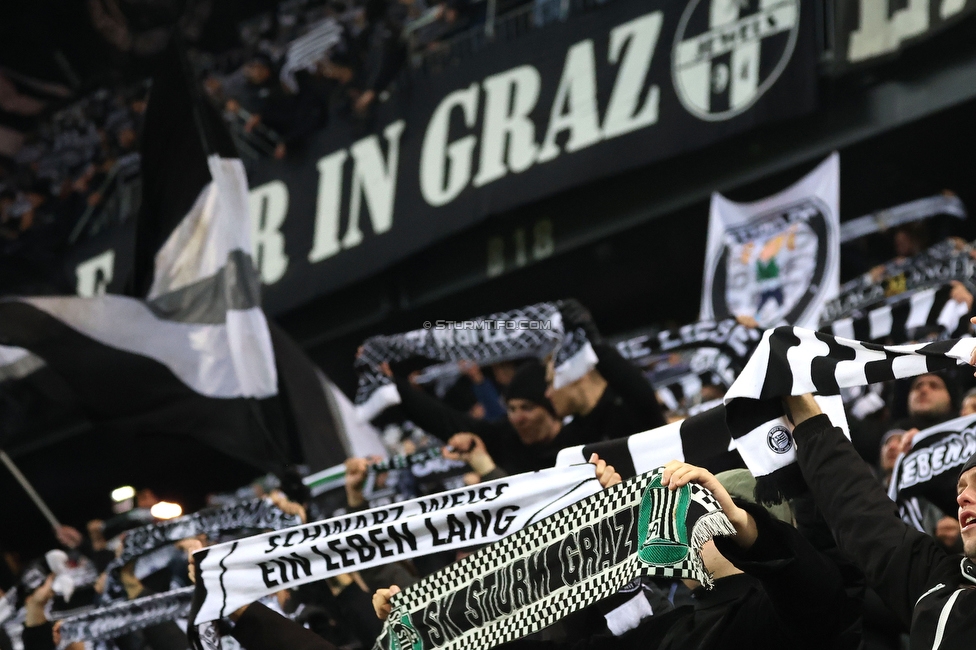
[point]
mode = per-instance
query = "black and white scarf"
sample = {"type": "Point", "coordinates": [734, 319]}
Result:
{"type": "Point", "coordinates": [121, 618]}
{"type": "Point", "coordinates": [533, 331]}
{"type": "Point", "coordinates": [404, 477]}
{"type": "Point", "coordinates": [731, 337]}
{"type": "Point", "coordinates": [795, 361]}
{"type": "Point", "coordinates": [936, 266]}
{"type": "Point", "coordinates": [931, 468]}
{"type": "Point", "coordinates": [255, 514]}
{"type": "Point", "coordinates": [704, 440]}
{"type": "Point", "coordinates": [732, 341]}
{"type": "Point", "coordinates": [236, 573]}
{"type": "Point", "coordinates": [570, 560]}
{"type": "Point", "coordinates": [916, 210]}
{"type": "Point", "coordinates": [928, 308]}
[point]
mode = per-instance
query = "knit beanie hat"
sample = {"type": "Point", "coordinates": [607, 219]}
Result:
{"type": "Point", "coordinates": [529, 383]}
{"type": "Point", "coordinates": [971, 463]}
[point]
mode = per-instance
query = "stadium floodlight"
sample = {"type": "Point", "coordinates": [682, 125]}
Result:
{"type": "Point", "coordinates": [166, 510]}
{"type": "Point", "coordinates": [120, 494]}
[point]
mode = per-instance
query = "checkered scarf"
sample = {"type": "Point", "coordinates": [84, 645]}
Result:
{"type": "Point", "coordinates": [121, 618]}
{"type": "Point", "coordinates": [255, 514]}
{"type": "Point", "coordinates": [479, 340]}
{"type": "Point", "coordinates": [931, 268]}
{"type": "Point", "coordinates": [795, 361]}
{"type": "Point", "coordinates": [558, 566]}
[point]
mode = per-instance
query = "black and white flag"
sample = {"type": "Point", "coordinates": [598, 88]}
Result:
{"type": "Point", "coordinates": [533, 331]}
{"type": "Point", "coordinates": [194, 354]}
{"type": "Point", "coordinates": [796, 361]}
{"type": "Point", "coordinates": [233, 574]}
{"type": "Point", "coordinates": [558, 566]}
{"type": "Point", "coordinates": [928, 309]}
{"type": "Point", "coordinates": [931, 467]}
{"type": "Point", "coordinates": [776, 260]}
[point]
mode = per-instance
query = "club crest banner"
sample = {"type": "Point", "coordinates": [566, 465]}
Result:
{"type": "Point", "coordinates": [776, 260]}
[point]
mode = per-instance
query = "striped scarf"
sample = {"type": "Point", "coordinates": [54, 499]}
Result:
{"type": "Point", "coordinates": [795, 361]}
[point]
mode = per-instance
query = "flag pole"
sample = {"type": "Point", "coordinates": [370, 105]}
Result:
{"type": "Point", "coordinates": [29, 489]}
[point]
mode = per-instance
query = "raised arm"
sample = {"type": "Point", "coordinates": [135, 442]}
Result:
{"type": "Point", "coordinates": [900, 562]}
{"type": "Point", "coordinates": [627, 380]}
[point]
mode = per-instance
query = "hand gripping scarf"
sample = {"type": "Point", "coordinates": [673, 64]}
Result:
{"type": "Point", "coordinates": [570, 560]}
{"type": "Point", "coordinates": [533, 331]}
{"type": "Point", "coordinates": [795, 361]}
{"type": "Point", "coordinates": [703, 440]}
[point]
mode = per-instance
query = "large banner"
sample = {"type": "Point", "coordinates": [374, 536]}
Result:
{"type": "Point", "coordinates": [624, 85]}
{"type": "Point", "coordinates": [776, 260]}
{"type": "Point", "coordinates": [868, 30]}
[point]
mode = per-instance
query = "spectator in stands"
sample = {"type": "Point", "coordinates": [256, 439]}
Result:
{"type": "Point", "coordinates": [611, 401]}
{"type": "Point", "coordinates": [525, 441]}
{"type": "Point", "coordinates": [930, 591]}
{"type": "Point", "coordinates": [968, 403]}
{"type": "Point", "coordinates": [484, 391]}
{"type": "Point", "coordinates": [930, 401]}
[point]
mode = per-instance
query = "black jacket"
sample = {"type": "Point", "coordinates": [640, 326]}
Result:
{"type": "Point", "coordinates": [932, 593]}
{"type": "Point", "coordinates": [627, 406]}
{"type": "Point", "coordinates": [259, 628]}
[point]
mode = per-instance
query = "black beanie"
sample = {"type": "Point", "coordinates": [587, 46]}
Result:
{"type": "Point", "coordinates": [971, 463]}
{"type": "Point", "coordinates": [529, 383]}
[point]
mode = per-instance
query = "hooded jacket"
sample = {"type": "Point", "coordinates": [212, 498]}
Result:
{"type": "Point", "coordinates": [932, 593]}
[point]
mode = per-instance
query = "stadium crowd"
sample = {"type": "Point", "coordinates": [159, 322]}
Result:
{"type": "Point", "coordinates": [835, 567]}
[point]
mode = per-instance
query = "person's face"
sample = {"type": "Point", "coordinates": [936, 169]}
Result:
{"type": "Point", "coordinates": [966, 489]}
{"type": "Point", "coordinates": [929, 396]}
{"type": "Point", "coordinates": [503, 372]}
{"type": "Point", "coordinates": [256, 72]}
{"type": "Point", "coordinates": [146, 498]}
{"type": "Point", "coordinates": [905, 244]}
{"type": "Point", "coordinates": [968, 406]}
{"type": "Point", "coordinates": [889, 452]}
{"type": "Point", "coordinates": [532, 423]}
{"type": "Point", "coordinates": [564, 400]}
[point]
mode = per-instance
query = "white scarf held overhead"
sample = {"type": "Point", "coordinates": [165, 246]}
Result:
{"type": "Point", "coordinates": [236, 573]}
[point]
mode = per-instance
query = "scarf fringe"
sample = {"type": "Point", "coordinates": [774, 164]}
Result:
{"type": "Point", "coordinates": [714, 524]}
{"type": "Point", "coordinates": [782, 485]}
